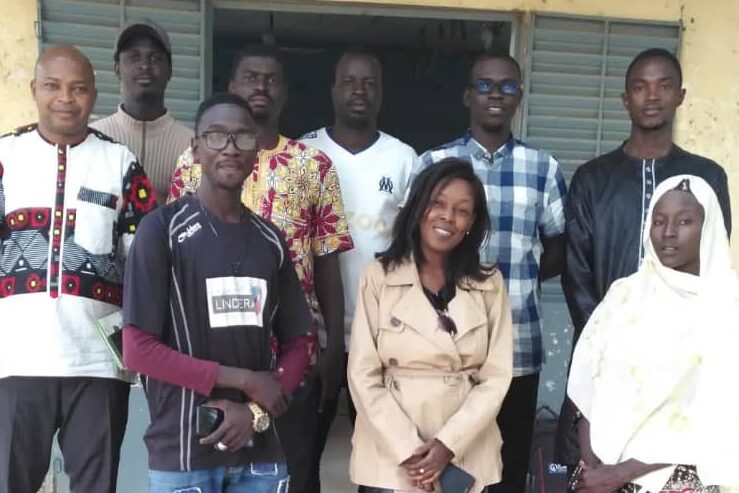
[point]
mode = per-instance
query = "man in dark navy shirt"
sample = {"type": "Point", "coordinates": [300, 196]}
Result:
{"type": "Point", "coordinates": [214, 316]}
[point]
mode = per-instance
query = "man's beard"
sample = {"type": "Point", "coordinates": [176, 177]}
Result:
{"type": "Point", "coordinates": [493, 128]}
{"type": "Point", "coordinates": [653, 127]}
{"type": "Point", "coordinates": [149, 95]}
{"type": "Point", "coordinates": [261, 117]}
{"type": "Point", "coordinates": [357, 123]}
{"type": "Point", "coordinates": [229, 187]}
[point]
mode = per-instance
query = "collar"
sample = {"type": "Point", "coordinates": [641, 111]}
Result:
{"type": "Point", "coordinates": [153, 127]}
{"type": "Point", "coordinates": [478, 151]}
{"type": "Point", "coordinates": [675, 151]}
{"type": "Point", "coordinates": [373, 141]}
{"type": "Point", "coordinates": [414, 310]}
{"type": "Point", "coordinates": [403, 274]}
{"type": "Point", "coordinates": [279, 147]}
{"type": "Point", "coordinates": [406, 274]}
{"type": "Point", "coordinates": [35, 127]}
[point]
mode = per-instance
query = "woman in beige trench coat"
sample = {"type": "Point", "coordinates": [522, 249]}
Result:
{"type": "Point", "coordinates": [430, 359]}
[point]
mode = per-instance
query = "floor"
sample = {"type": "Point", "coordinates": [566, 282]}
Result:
{"type": "Point", "coordinates": [335, 460]}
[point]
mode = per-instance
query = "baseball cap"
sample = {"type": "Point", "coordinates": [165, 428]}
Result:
{"type": "Point", "coordinates": [142, 27]}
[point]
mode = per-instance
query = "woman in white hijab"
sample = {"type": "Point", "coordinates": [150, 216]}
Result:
{"type": "Point", "coordinates": [654, 370]}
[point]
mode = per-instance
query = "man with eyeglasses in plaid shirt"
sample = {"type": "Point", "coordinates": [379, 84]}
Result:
{"type": "Point", "coordinates": [525, 191]}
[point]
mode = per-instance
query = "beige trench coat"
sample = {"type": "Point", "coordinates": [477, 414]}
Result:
{"type": "Point", "coordinates": [411, 381]}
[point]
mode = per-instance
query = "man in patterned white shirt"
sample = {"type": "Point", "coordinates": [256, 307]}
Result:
{"type": "Point", "coordinates": [70, 201]}
{"type": "Point", "coordinates": [525, 191]}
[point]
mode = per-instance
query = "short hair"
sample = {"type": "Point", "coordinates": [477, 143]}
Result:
{"type": "Point", "coordinates": [257, 50]}
{"type": "Point", "coordinates": [464, 260]}
{"type": "Point", "coordinates": [497, 55]}
{"type": "Point", "coordinates": [656, 53]}
{"type": "Point", "coordinates": [358, 51]}
{"type": "Point", "coordinates": [219, 99]}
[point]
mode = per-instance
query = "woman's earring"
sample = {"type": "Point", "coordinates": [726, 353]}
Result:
{"type": "Point", "coordinates": [467, 233]}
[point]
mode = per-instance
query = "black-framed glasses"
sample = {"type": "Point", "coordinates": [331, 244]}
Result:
{"type": "Point", "coordinates": [446, 322]}
{"type": "Point", "coordinates": [218, 140]}
{"type": "Point", "coordinates": [509, 87]}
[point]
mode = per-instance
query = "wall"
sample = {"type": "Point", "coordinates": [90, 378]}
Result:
{"type": "Point", "coordinates": [18, 50]}
{"type": "Point", "coordinates": [709, 119]}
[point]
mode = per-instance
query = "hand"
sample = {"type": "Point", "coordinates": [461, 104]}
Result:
{"type": "Point", "coordinates": [427, 463]}
{"type": "Point", "coordinates": [601, 479]}
{"type": "Point", "coordinates": [263, 388]}
{"type": "Point", "coordinates": [410, 464]}
{"type": "Point", "coordinates": [329, 372]}
{"type": "Point", "coordinates": [236, 430]}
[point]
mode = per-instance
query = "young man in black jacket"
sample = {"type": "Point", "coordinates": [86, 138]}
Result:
{"type": "Point", "coordinates": [609, 197]}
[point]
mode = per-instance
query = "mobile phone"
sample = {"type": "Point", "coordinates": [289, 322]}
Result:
{"type": "Point", "coordinates": [116, 339]}
{"type": "Point", "coordinates": [575, 478]}
{"type": "Point", "coordinates": [207, 419]}
{"type": "Point", "coordinates": [455, 480]}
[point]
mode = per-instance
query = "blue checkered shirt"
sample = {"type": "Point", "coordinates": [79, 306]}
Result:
{"type": "Point", "coordinates": [525, 191]}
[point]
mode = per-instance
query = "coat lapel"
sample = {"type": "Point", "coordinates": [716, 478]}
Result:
{"type": "Point", "coordinates": [467, 308]}
{"type": "Point", "coordinates": [467, 311]}
{"type": "Point", "coordinates": [415, 311]}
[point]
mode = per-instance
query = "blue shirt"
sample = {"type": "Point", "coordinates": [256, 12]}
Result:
{"type": "Point", "coordinates": [525, 191]}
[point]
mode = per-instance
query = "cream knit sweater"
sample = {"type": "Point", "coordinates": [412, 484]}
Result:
{"type": "Point", "coordinates": [157, 144]}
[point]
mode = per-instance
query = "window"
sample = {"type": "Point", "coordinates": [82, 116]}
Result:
{"type": "Point", "coordinates": [92, 25]}
{"type": "Point", "coordinates": [576, 70]}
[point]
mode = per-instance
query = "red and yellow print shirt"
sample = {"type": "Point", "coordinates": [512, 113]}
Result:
{"type": "Point", "coordinates": [295, 187]}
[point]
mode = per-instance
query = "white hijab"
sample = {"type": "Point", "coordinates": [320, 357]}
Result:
{"type": "Point", "coordinates": [657, 363]}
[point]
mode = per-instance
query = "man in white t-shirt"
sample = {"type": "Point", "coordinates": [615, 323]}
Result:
{"type": "Point", "coordinates": [373, 169]}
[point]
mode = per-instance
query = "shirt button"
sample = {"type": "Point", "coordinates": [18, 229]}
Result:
{"type": "Point", "coordinates": [649, 182]}
{"type": "Point", "coordinates": [648, 169]}
{"type": "Point", "coordinates": [649, 195]}
{"type": "Point", "coordinates": [394, 322]}
{"type": "Point", "coordinates": [393, 362]}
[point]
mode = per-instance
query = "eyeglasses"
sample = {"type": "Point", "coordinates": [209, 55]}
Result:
{"type": "Point", "coordinates": [446, 322]}
{"type": "Point", "coordinates": [219, 140]}
{"type": "Point", "coordinates": [509, 87]}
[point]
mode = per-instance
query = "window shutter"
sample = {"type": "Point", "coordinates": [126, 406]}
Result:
{"type": "Point", "coordinates": [576, 69]}
{"type": "Point", "coordinates": [92, 26]}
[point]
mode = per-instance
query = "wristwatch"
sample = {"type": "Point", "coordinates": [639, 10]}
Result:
{"type": "Point", "coordinates": [261, 420]}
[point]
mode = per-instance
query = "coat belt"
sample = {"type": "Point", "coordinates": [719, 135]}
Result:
{"type": "Point", "coordinates": [391, 372]}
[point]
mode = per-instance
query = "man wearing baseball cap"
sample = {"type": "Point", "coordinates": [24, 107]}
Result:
{"type": "Point", "coordinates": [143, 63]}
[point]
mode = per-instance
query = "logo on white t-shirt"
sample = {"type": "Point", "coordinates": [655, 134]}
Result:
{"type": "Point", "coordinates": [235, 301]}
{"type": "Point", "coordinates": [386, 184]}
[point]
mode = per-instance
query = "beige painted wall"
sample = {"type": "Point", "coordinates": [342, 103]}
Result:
{"type": "Point", "coordinates": [18, 49]}
{"type": "Point", "coordinates": [708, 123]}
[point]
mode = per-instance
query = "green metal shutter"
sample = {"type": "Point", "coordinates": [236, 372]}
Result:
{"type": "Point", "coordinates": [576, 69]}
{"type": "Point", "coordinates": [92, 26]}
